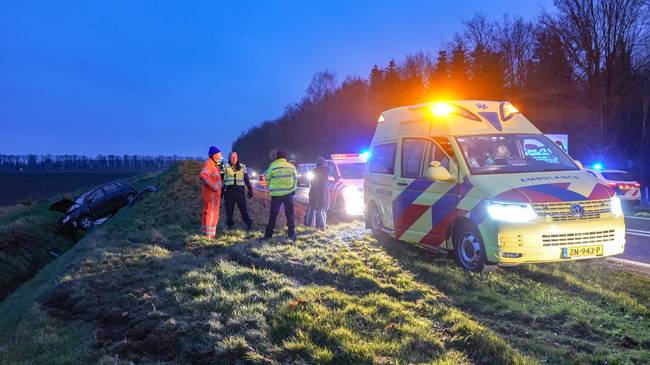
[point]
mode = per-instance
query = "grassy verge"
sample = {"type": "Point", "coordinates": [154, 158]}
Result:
{"type": "Point", "coordinates": [145, 288]}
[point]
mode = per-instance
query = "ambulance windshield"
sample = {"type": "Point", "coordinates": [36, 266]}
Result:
{"type": "Point", "coordinates": [352, 170]}
{"type": "Point", "coordinates": [513, 153]}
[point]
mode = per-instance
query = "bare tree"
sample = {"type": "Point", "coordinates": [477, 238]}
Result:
{"type": "Point", "coordinates": [601, 36]}
{"type": "Point", "coordinates": [515, 39]}
{"type": "Point", "coordinates": [418, 66]}
{"type": "Point", "coordinates": [322, 84]}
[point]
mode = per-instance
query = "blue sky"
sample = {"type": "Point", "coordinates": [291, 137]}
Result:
{"type": "Point", "coordinates": [173, 77]}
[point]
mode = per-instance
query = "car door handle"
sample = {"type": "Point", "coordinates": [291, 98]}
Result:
{"type": "Point", "coordinates": [403, 183]}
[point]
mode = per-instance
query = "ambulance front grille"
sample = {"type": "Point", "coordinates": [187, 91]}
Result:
{"type": "Point", "coordinates": [561, 211]}
{"type": "Point", "coordinates": [578, 238]}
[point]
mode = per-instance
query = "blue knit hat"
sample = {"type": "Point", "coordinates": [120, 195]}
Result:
{"type": "Point", "coordinates": [213, 150]}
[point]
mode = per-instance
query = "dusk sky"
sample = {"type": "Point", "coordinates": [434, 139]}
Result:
{"type": "Point", "coordinates": [173, 77]}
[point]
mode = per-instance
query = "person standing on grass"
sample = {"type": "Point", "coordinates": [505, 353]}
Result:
{"type": "Point", "coordinates": [281, 180]}
{"type": "Point", "coordinates": [319, 196]}
{"type": "Point", "coordinates": [235, 183]}
{"type": "Point", "coordinates": [210, 177]}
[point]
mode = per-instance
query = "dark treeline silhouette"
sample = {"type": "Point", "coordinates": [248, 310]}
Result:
{"type": "Point", "coordinates": [583, 70]}
{"type": "Point", "coordinates": [125, 163]}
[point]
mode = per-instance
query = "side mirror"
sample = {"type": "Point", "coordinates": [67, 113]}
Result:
{"type": "Point", "coordinates": [436, 172]}
{"type": "Point", "coordinates": [579, 164]}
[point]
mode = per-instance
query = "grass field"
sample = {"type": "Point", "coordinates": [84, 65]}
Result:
{"type": "Point", "coordinates": [145, 288]}
{"type": "Point", "coordinates": [21, 187]}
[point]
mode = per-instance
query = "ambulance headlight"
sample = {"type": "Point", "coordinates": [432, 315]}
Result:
{"type": "Point", "coordinates": [615, 204]}
{"type": "Point", "coordinates": [510, 212]}
{"type": "Point", "coordinates": [353, 199]}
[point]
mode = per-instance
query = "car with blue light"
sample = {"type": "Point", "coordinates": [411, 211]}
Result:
{"type": "Point", "coordinates": [345, 182]}
{"type": "Point", "coordinates": [627, 188]}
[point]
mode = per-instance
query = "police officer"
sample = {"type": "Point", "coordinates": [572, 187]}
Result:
{"type": "Point", "coordinates": [235, 183]}
{"type": "Point", "coordinates": [281, 179]}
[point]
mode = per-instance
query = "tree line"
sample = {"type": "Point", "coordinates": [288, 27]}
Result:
{"type": "Point", "coordinates": [114, 163]}
{"type": "Point", "coordinates": [582, 69]}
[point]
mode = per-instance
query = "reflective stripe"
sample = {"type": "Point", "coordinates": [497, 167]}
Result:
{"type": "Point", "coordinates": [282, 189]}
{"type": "Point", "coordinates": [279, 176]}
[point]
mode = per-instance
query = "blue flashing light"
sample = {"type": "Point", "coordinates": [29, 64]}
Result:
{"type": "Point", "coordinates": [598, 166]}
{"type": "Point", "coordinates": [365, 154]}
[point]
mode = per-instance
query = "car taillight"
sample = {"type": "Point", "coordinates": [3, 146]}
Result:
{"type": "Point", "coordinates": [637, 185]}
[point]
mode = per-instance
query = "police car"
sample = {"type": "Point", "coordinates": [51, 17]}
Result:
{"type": "Point", "coordinates": [478, 179]}
{"type": "Point", "coordinates": [626, 187]}
{"type": "Point", "coordinates": [346, 183]}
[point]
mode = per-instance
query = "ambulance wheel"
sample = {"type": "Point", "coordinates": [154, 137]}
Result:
{"type": "Point", "coordinates": [469, 250]}
{"type": "Point", "coordinates": [374, 222]}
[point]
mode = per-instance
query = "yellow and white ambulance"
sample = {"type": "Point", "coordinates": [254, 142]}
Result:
{"type": "Point", "coordinates": [479, 179]}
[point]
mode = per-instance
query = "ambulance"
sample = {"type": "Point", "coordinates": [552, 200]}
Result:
{"type": "Point", "coordinates": [345, 183]}
{"type": "Point", "coordinates": [478, 179]}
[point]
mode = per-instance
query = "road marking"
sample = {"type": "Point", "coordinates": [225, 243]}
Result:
{"type": "Point", "coordinates": [641, 218]}
{"type": "Point", "coordinates": [637, 230]}
{"type": "Point", "coordinates": [638, 234]}
{"type": "Point", "coordinates": [629, 262]}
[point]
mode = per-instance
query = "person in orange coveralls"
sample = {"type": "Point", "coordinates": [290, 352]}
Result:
{"type": "Point", "coordinates": [211, 185]}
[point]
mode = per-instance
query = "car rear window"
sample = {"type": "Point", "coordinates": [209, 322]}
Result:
{"type": "Point", "coordinates": [617, 176]}
{"type": "Point", "coordinates": [111, 189]}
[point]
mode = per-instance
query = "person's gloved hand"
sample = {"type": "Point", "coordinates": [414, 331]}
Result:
{"type": "Point", "coordinates": [250, 194]}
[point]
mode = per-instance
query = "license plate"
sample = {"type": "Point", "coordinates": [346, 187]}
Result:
{"type": "Point", "coordinates": [568, 252]}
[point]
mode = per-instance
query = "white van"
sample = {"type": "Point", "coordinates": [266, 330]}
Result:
{"type": "Point", "coordinates": [477, 178]}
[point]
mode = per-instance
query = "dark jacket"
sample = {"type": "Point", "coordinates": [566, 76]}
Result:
{"type": "Point", "coordinates": [319, 194]}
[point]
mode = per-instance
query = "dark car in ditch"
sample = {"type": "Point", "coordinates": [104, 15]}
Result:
{"type": "Point", "coordinates": [97, 203]}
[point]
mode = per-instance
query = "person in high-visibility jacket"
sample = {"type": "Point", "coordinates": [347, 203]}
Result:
{"type": "Point", "coordinates": [235, 183]}
{"type": "Point", "coordinates": [210, 177]}
{"type": "Point", "coordinates": [281, 180]}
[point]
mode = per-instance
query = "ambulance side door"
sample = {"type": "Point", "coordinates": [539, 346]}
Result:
{"type": "Point", "coordinates": [381, 179]}
{"type": "Point", "coordinates": [444, 196]}
{"type": "Point", "coordinates": [424, 206]}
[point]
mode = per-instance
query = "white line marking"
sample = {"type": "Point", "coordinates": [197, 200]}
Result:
{"type": "Point", "coordinates": [629, 262]}
{"type": "Point", "coordinates": [641, 218]}
{"type": "Point", "coordinates": [637, 230]}
{"type": "Point", "coordinates": [638, 234]}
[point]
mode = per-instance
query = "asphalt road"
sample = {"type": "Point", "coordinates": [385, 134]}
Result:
{"type": "Point", "coordinates": [637, 247]}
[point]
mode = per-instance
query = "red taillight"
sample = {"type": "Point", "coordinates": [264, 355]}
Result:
{"type": "Point", "coordinates": [612, 184]}
{"type": "Point", "coordinates": [637, 185]}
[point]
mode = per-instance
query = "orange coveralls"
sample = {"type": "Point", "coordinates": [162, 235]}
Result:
{"type": "Point", "coordinates": [211, 195]}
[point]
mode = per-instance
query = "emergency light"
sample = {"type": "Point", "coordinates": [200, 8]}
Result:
{"type": "Point", "coordinates": [598, 166]}
{"type": "Point", "coordinates": [508, 111]}
{"type": "Point", "coordinates": [443, 109]}
{"type": "Point", "coordinates": [345, 156]}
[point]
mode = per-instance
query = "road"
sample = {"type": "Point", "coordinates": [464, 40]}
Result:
{"type": "Point", "coordinates": [637, 247]}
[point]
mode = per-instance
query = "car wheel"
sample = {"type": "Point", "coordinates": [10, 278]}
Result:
{"type": "Point", "coordinates": [85, 223]}
{"type": "Point", "coordinates": [376, 227]}
{"type": "Point", "coordinates": [469, 250]}
{"type": "Point", "coordinates": [130, 197]}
